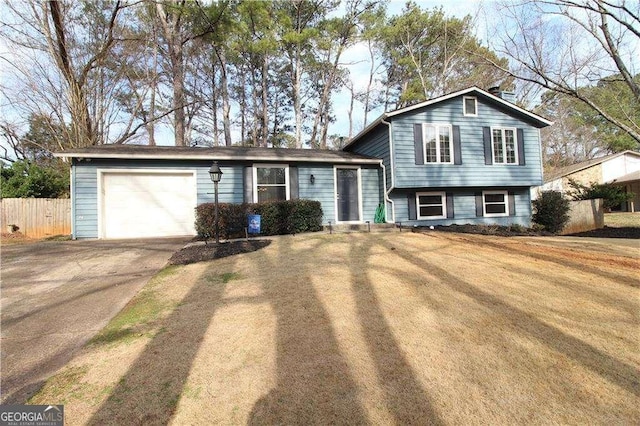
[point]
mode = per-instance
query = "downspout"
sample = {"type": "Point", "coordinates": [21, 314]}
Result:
{"type": "Point", "coordinates": [384, 171]}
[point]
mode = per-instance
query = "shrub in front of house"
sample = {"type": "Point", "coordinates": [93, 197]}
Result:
{"type": "Point", "coordinates": [612, 195]}
{"type": "Point", "coordinates": [277, 218]}
{"type": "Point", "coordinates": [551, 210]}
{"type": "Point", "coordinates": [231, 219]}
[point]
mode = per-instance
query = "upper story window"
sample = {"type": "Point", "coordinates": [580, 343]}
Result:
{"type": "Point", "coordinates": [470, 106]}
{"type": "Point", "coordinates": [271, 182]}
{"type": "Point", "coordinates": [437, 143]}
{"type": "Point", "coordinates": [503, 141]}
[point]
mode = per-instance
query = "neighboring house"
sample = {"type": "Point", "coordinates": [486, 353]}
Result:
{"type": "Point", "coordinates": [621, 169]}
{"type": "Point", "coordinates": [467, 157]}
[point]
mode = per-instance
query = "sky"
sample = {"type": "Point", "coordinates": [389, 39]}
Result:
{"type": "Point", "coordinates": [358, 59]}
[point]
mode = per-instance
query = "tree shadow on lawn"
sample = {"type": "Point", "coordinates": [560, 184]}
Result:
{"type": "Point", "coordinates": [564, 261]}
{"type": "Point", "coordinates": [601, 295]}
{"type": "Point", "coordinates": [611, 369]}
{"type": "Point", "coordinates": [150, 390]}
{"type": "Point", "coordinates": [314, 384]}
{"type": "Point", "coordinates": [314, 381]}
{"type": "Point", "coordinates": [405, 398]}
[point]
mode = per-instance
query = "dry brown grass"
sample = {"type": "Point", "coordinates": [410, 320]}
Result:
{"type": "Point", "coordinates": [619, 219]}
{"type": "Point", "coordinates": [376, 329]}
{"type": "Point", "coordinates": [7, 238]}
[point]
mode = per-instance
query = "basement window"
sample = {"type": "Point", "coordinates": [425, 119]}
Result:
{"type": "Point", "coordinates": [431, 205]}
{"type": "Point", "coordinates": [495, 203]}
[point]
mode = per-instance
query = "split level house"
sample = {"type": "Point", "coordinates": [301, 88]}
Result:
{"type": "Point", "coordinates": [467, 157]}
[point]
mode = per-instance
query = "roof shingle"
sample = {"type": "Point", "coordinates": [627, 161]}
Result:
{"type": "Point", "coordinates": [216, 153]}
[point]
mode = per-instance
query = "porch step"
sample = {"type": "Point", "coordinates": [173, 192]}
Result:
{"type": "Point", "coordinates": [360, 227]}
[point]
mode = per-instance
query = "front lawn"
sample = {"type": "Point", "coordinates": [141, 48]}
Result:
{"type": "Point", "coordinates": [379, 328]}
{"type": "Point", "coordinates": [622, 219]}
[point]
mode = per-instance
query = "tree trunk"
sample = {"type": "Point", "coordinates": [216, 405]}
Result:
{"type": "Point", "coordinates": [214, 105]}
{"type": "Point", "coordinates": [171, 27]}
{"type": "Point", "coordinates": [243, 104]}
{"type": "Point", "coordinates": [265, 99]}
{"type": "Point", "coordinates": [226, 106]}
{"type": "Point", "coordinates": [367, 93]}
{"type": "Point", "coordinates": [178, 100]}
{"type": "Point", "coordinates": [151, 125]}
{"type": "Point", "coordinates": [351, 101]}
{"type": "Point", "coordinates": [81, 123]}
{"type": "Point", "coordinates": [297, 103]}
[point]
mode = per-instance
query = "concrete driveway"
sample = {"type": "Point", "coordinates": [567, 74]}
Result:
{"type": "Point", "coordinates": [57, 295]}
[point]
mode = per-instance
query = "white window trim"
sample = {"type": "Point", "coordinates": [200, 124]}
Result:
{"type": "Point", "coordinates": [504, 145]}
{"type": "Point", "coordinates": [335, 193]}
{"type": "Point", "coordinates": [443, 198]}
{"type": "Point", "coordinates": [506, 204]}
{"type": "Point", "coordinates": [424, 143]}
{"type": "Point", "coordinates": [257, 166]}
{"type": "Point", "coordinates": [464, 104]}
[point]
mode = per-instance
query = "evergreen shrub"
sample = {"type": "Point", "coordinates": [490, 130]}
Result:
{"type": "Point", "coordinates": [277, 218]}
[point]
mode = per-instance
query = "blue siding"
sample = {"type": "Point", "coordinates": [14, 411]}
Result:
{"type": "Point", "coordinates": [376, 144]}
{"type": "Point", "coordinates": [230, 188]}
{"type": "Point", "coordinates": [372, 192]}
{"type": "Point", "coordinates": [464, 203]}
{"type": "Point", "coordinates": [472, 171]}
{"type": "Point", "coordinates": [85, 191]}
{"type": "Point", "coordinates": [85, 201]}
{"type": "Point", "coordinates": [322, 189]}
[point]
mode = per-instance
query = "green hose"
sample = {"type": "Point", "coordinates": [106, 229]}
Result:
{"type": "Point", "coordinates": [379, 217]}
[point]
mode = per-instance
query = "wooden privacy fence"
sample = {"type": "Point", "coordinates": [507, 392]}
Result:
{"type": "Point", "coordinates": [36, 217]}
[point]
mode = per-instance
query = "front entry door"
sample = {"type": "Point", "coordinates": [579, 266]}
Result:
{"type": "Point", "coordinates": [347, 197]}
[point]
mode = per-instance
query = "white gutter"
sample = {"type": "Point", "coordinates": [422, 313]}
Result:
{"type": "Point", "coordinates": [388, 191]}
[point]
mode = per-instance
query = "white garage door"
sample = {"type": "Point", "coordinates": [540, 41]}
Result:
{"type": "Point", "coordinates": [139, 205]}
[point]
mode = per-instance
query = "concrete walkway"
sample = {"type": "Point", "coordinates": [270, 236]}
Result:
{"type": "Point", "coordinates": [57, 295]}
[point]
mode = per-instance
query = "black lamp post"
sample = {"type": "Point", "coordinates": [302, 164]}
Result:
{"type": "Point", "coordinates": [216, 174]}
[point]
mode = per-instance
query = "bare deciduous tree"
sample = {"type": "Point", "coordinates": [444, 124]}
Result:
{"type": "Point", "coordinates": [569, 45]}
{"type": "Point", "coordinates": [62, 65]}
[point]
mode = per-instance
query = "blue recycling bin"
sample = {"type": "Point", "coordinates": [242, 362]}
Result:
{"type": "Point", "coordinates": [254, 223]}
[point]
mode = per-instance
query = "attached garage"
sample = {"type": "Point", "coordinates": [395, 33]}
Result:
{"type": "Point", "coordinates": [136, 191]}
{"type": "Point", "coordinates": [143, 204]}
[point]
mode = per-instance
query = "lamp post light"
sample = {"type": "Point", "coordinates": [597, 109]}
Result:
{"type": "Point", "coordinates": [216, 174]}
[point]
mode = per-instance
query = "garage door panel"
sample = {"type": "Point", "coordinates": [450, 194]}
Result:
{"type": "Point", "coordinates": [148, 204]}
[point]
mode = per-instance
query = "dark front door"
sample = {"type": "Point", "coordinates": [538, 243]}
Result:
{"type": "Point", "coordinates": [347, 195]}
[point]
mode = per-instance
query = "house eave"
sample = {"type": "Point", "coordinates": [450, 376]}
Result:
{"type": "Point", "coordinates": [494, 98]}
{"type": "Point", "coordinates": [218, 157]}
{"type": "Point", "coordinates": [365, 130]}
